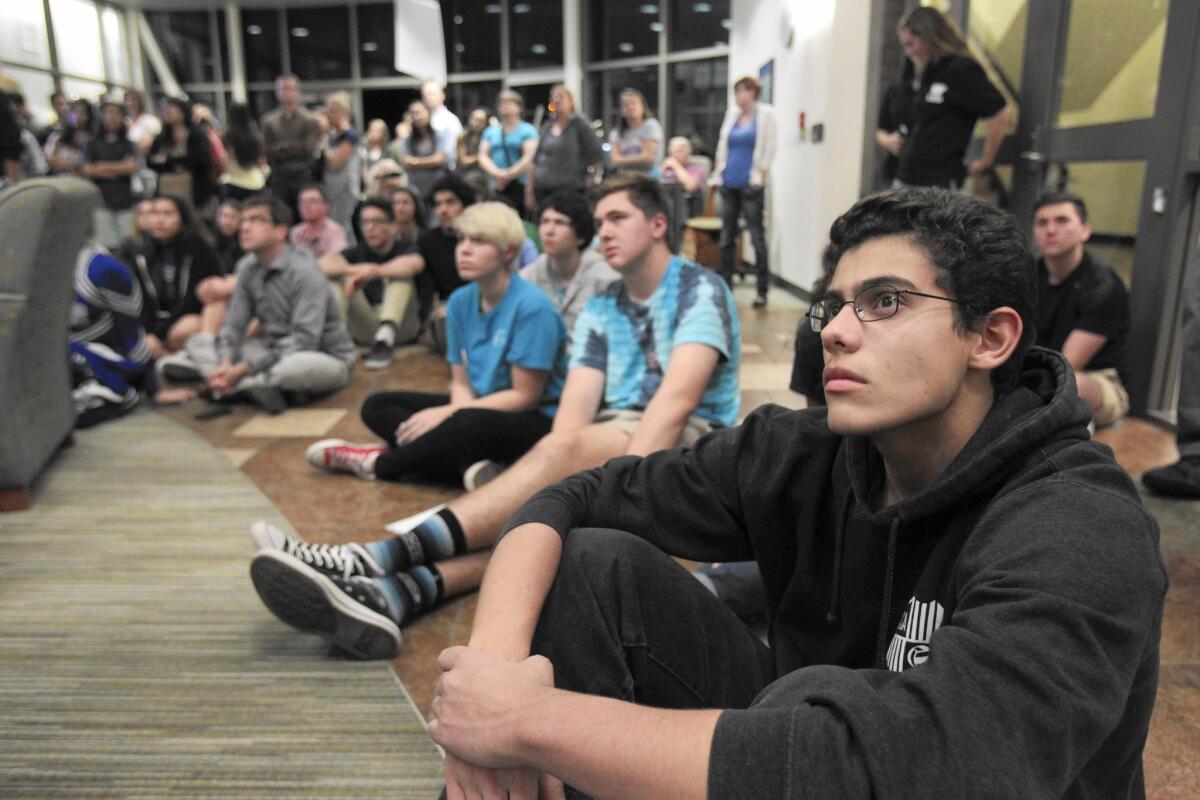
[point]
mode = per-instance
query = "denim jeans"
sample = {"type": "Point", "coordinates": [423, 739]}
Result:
{"type": "Point", "coordinates": [1188, 437]}
{"type": "Point", "coordinates": [624, 620]}
{"type": "Point", "coordinates": [747, 202]}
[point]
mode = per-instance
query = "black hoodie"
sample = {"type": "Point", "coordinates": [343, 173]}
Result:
{"type": "Point", "coordinates": [995, 635]}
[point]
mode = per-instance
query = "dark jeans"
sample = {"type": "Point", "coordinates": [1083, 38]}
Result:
{"type": "Point", "coordinates": [744, 202]}
{"type": "Point", "coordinates": [286, 182]}
{"type": "Point", "coordinates": [443, 454]}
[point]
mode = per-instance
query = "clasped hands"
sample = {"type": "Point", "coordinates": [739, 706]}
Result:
{"type": "Point", "coordinates": [480, 708]}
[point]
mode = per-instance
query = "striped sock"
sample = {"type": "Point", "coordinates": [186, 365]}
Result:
{"type": "Point", "coordinates": [437, 538]}
{"type": "Point", "coordinates": [412, 593]}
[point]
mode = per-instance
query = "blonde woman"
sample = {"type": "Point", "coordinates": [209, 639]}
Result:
{"type": "Point", "coordinates": [506, 353]}
{"type": "Point", "coordinates": [568, 152]}
{"type": "Point", "coordinates": [342, 178]}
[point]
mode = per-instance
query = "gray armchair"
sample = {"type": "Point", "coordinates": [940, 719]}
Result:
{"type": "Point", "coordinates": [43, 224]}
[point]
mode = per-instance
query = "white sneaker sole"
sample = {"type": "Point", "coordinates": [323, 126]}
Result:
{"type": "Point", "coordinates": [308, 601]}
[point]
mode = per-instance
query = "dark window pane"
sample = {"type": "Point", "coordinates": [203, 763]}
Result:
{"type": "Point", "coordinates": [377, 40]}
{"type": "Point", "coordinates": [260, 40]}
{"type": "Point", "coordinates": [604, 88]}
{"type": "Point", "coordinates": [698, 94]}
{"type": "Point", "coordinates": [462, 97]}
{"type": "Point", "coordinates": [261, 102]}
{"type": "Point", "coordinates": [388, 105]}
{"type": "Point", "coordinates": [536, 96]}
{"type": "Point", "coordinates": [184, 40]}
{"type": "Point", "coordinates": [223, 41]}
{"type": "Point", "coordinates": [695, 24]}
{"type": "Point", "coordinates": [319, 42]}
{"type": "Point", "coordinates": [537, 39]}
{"type": "Point", "coordinates": [623, 29]}
{"type": "Point", "coordinates": [472, 29]}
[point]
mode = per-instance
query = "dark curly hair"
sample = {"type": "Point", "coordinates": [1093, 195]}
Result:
{"type": "Point", "coordinates": [979, 253]}
{"type": "Point", "coordinates": [573, 205]}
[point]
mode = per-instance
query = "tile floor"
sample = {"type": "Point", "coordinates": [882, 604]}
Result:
{"type": "Point", "coordinates": [339, 509]}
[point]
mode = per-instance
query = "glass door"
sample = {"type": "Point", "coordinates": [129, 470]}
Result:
{"type": "Point", "coordinates": [1100, 89]}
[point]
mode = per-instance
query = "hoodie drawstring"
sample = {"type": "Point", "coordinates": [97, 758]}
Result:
{"type": "Point", "coordinates": [838, 542]}
{"type": "Point", "coordinates": [886, 611]}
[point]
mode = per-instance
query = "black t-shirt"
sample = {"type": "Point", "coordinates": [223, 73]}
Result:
{"type": "Point", "coordinates": [440, 276]}
{"type": "Point", "coordinates": [362, 253]}
{"type": "Point", "coordinates": [1092, 298]}
{"type": "Point", "coordinates": [953, 94]}
{"type": "Point", "coordinates": [117, 192]}
{"type": "Point", "coordinates": [895, 114]}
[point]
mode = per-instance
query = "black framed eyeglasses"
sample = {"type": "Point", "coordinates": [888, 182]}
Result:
{"type": "Point", "coordinates": [870, 305]}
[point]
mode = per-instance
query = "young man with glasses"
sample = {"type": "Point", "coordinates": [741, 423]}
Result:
{"type": "Point", "coordinates": [964, 592]}
{"type": "Point", "coordinates": [304, 348]}
{"type": "Point", "coordinates": [373, 283]}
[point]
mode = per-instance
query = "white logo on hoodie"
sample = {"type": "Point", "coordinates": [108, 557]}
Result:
{"type": "Point", "coordinates": [910, 644]}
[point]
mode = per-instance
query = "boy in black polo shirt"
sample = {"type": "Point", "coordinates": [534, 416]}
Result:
{"type": "Point", "coordinates": [1083, 308]}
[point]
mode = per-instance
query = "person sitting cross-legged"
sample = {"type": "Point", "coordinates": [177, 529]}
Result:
{"type": "Point", "coordinates": [569, 269]}
{"type": "Point", "coordinates": [654, 364]}
{"type": "Point", "coordinates": [507, 362]}
{"type": "Point", "coordinates": [964, 593]}
{"type": "Point", "coordinates": [304, 348]}
{"type": "Point", "coordinates": [373, 283]}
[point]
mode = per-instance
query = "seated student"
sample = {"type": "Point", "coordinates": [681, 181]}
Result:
{"type": "Point", "coordinates": [1083, 308]}
{"type": "Point", "coordinates": [409, 212]}
{"type": "Point", "coordinates": [373, 283]}
{"type": "Point", "coordinates": [569, 269]}
{"type": "Point", "coordinates": [317, 232]}
{"type": "Point", "coordinates": [507, 359]}
{"type": "Point", "coordinates": [678, 168]}
{"type": "Point", "coordinates": [226, 229]}
{"type": "Point", "coordinates": [109, 351]}
{"type": "Point", "coordinates": [177, 259]}
{"type": "Point", "coordinates": [962, 588]}
{"type": "Point", "coordinates": [304, 348]}
{"type": "Point", "coordinates": [440, 275]}
{"type": "Point", "coordinates": [654, 363]}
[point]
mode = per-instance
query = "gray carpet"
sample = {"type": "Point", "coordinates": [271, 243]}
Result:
{"type": "Point", "coordinates": [137, 661]}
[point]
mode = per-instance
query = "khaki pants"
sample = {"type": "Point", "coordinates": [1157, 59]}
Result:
{"type": "Point", "coordinates": [1114, 400]}
{"type": "Point", "coordinates": [399, 307]}
{"type": "Point", "coordinates": [628, 420]}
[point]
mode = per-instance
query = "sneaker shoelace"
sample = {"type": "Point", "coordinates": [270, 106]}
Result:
{"type": "Point", "coordinates": [329, 557]}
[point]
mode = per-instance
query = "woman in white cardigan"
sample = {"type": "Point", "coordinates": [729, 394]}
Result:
{"type": "Point", "coordinates": [744, 152]}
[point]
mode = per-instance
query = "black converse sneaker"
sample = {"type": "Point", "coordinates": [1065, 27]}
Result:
{"type": "Point", "coordinates": [353, 612]}
{"type": "Point", "coordinates": [340, 560]}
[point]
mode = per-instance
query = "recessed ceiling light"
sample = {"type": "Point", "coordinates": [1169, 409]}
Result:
{"type": "Point", "coordinates": [369, 47]}
{"type": "Point", "coordinates": [253, 30]}
{"type": "Point", "coordinates": [492, 8]}
{"type": "Point", "coordinates": [649, 8]}
{"type": "Point", "coordinates": [538, 49]}
{"type": "Point", "coordinates": [300, 33]}
{"type": "Point", "coordinates": [625, 47]}
{"type": "Point", "coordinates": [657, 27]}
{"type": "Point", "coordinates": [727, 24]}
{"type": "Point", "coordinates": [702, 8]}
{"type": "Point", "coordinates": [458, 19]}
{"type": "Point", "coordinates": [460, 48]}
{"type": "Point", "coordinates": [522, 8]}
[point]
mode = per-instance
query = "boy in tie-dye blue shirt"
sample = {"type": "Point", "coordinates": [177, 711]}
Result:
{"type": "Point", "coordinates": [631, 343]}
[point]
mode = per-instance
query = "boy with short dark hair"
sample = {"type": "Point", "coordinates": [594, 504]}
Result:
{"type": "Point", "coordinates": [961, 587]}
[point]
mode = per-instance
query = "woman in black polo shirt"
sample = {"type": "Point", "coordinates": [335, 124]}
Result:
{"type": "Point", "coordinates": [951, 93]}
